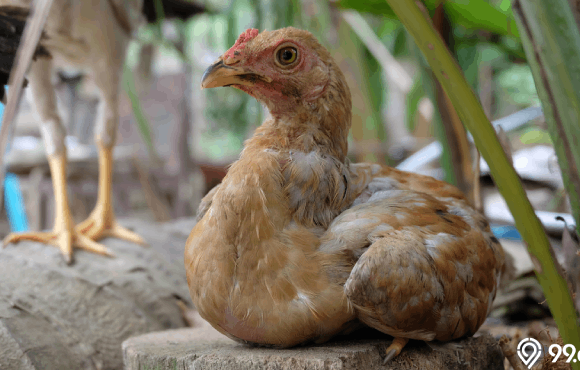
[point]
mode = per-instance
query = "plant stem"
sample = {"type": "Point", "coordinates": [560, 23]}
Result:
{"type": "Point", "coordinates": [472, 115]}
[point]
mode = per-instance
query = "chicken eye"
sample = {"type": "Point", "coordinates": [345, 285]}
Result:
{"type": "Point", "coordinates": [287, 55]}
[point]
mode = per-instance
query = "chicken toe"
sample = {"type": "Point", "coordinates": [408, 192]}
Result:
{"type": "Point", "coordinates": [395, 348]}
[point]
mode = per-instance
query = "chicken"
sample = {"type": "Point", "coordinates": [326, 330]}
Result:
{"type": "Point", "coordinates": [297, 245]}
{"type": "Point", "coordinates": [92, 35]}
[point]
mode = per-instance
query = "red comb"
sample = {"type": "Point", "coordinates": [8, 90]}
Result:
{"type": "Point", "coordinates": [240, 44]}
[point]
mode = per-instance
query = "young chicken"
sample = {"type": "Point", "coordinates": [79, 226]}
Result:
{"type": "Point", "coordinates": [298, 245]}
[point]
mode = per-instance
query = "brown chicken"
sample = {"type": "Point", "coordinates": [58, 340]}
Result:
{"type": "Point", "coordinates": [298, 245]}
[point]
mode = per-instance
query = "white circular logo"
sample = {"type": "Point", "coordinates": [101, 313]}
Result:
{"type": "Point", "coordinates": [529, 351]}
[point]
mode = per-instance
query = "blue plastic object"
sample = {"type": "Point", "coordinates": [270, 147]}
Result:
{"type": "Point", "coordinates": [13, 199]}
{"type": "Point", "coordinates": [506, 232]}
{"type": "Point", "coordinates": [14, 204]}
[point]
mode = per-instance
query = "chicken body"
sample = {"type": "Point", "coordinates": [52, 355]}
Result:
{"type": "Point", "coordinates": [297, 244]}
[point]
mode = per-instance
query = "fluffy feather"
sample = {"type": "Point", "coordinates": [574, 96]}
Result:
{"type": "Point", "coordinates": [296, 242]}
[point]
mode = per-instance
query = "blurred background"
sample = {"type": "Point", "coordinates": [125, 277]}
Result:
{"type": "Point", "coordinates": [175, 140]}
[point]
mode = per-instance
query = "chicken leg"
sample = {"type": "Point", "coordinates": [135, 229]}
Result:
{"type": "Point", "coordinates": [107, 74]}
{"type": "Point", "coordinates": [106, 68]}
{"type": "Point", "coordinates": [101, 222]}
{"type": "Point", "coordinates": [64, 236]}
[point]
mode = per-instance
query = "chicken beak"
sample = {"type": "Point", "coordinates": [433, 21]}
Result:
{"type": "Point", "coordinates": [220, 74]}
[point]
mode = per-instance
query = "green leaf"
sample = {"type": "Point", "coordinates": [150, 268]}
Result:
{"type": "Point", "coordinates": [413, 99]}
{"type": "Point", "coordinates": [536, 136]}
{"type": "Point", "coordinates": [471, 14]}
{"type": "Point", "coordinates": [551, 40]}
{"type": "Point", "coordinates": [479, 14]}
{"type": "Point", "coordinates": [467, 57]}
{"type": "Point", "coordinates": [517, 83]}
{"type": "Point", "coordinates": [379, 7]}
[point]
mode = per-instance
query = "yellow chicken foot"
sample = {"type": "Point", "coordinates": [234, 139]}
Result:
{"type": "Point", "coordinates": [395, 348]}
{"type": "Point", "coordinates": [101, 222]}
{"type": "Point", "coordinates": [64, 236]}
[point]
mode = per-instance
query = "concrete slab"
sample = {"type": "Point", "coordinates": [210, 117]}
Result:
{"type": "Point", "coordinates": [205, 348]}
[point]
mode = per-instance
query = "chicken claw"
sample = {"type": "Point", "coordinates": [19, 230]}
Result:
{"type": "Point", "coordinates": [61, 238]}
{"type": "Point", "coordinates": [64, 236]}
{"type": "Point", "coordinates": [101, 225]}
{"type": "Point", "coordinates": [395, 348]}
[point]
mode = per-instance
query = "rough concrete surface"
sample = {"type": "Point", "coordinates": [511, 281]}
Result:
{"type": "Point", "coordinates": [205, 348]}
{"type": "Point", "coordinates": [59, 316]}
